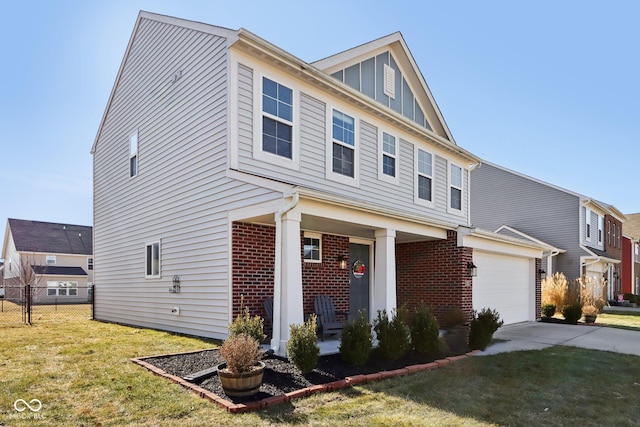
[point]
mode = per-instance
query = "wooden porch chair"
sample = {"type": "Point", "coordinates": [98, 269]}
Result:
{"type": "Point", "coordinates": [328, 316]}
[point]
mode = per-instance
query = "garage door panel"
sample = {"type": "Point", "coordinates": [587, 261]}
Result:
{"type": "Point", "coordinates": [504, 283]}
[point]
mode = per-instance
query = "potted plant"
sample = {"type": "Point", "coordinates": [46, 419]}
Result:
{"type": "Point", "coordinates": [590, 313]}
{"type": "Point", "coordinates": [242, 372]}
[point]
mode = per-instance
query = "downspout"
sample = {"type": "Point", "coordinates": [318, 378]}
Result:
{"type": "Point", "coordinates": [277, 273]}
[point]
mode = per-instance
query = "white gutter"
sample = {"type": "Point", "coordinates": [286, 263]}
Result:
{"type": "Point", "coordinates": [277, 273]}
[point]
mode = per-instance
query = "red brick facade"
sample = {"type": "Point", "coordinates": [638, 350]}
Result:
{"type": "Point", "coordinates": [435, 273]}
{"type": "Point", "coordinates": [253, 248]}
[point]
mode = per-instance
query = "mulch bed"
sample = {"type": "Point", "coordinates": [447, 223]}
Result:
{"type": "Point", "coordinates": [281, 378]}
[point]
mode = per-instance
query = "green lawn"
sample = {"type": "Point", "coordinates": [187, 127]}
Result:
{"type": "Point", "coordinates": [81, 373]}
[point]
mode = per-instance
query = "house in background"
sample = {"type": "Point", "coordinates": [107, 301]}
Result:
{"type": "Point", "coordinates": [585, 235]}
{"type": "Point", "coordinates": [229, 171]}
{"type": "Point", "coordinates": [631, 254]}
{"type": "Point", "coordinates": [59, 258]}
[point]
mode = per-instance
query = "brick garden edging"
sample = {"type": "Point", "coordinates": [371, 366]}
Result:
{"type": "Point", "coordinates": [296, 394]}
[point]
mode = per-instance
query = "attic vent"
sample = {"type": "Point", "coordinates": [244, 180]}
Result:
{"type": "Point", "coordinates": [389, 81]}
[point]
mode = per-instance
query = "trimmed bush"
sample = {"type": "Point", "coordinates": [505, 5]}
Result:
{"type": "Point", "coordinates": [424, 330]}
{"type": "Point", "coordinates": [394, 336]}
{"type": "Point", "coordinates": [483, 325]}
{"type": "Point", "coordinates": [302, 347]}
{"type": "Point", "coordinates": [548, 310]}
{"type": "Point", "coordinates": [572, 312]}
{"type": "Point", "coordinates": [247, 324]}
{"type": "Point", "coordinates": [356, 341]}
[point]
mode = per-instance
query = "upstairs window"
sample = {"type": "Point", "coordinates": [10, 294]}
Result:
{"type": "Point", "coordinates": [424, 182]}
{"type": "Point", "coordinates": [388, 163]}
{"type": "Point", "coordinates": [51, 259]}
{"type": "Point", "coordinates": [608, 232]}
{"type": "Point", "coordinates": [277, 119]}
{"type": "Point", "coordinates": [588, 224]}
{"type": "Point", "coordinates": [600, 229]}
{"type": "Point", "coordinates": [133, 154]}
{"type": "Point", "coordinates": [152, 259]}
{"type": "Point", "coordinates": [455, 187]}
{"type": "Point", "coordinates": [619, 236]}
{"type": "Point", "coordinates": [344, 142]}
{"type": "Point", "coordinates": [89, 263]}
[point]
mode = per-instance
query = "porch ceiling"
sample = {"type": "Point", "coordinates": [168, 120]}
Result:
{"type": "Point", "coordinates": [341, 228]}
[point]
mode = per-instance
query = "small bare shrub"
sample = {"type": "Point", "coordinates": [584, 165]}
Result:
{"type": "Point", "coordinates": [241, 352]}
{"type": "Point", "coordinates": [455, 318]}
{"type": "Point", "coordinates": [592, 292]}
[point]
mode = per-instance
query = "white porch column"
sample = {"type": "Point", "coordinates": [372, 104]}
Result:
{"type": "Point", "coordinates": [384, 287]}
{"type": "Point", "coordinates": [291, 279]}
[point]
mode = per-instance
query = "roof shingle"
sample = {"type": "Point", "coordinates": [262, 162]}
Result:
{"type": "Point", "coordinates": [49, 237]}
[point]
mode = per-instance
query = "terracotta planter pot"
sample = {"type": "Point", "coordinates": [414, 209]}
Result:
{"type": "Point", "coordinates": [243, 384]}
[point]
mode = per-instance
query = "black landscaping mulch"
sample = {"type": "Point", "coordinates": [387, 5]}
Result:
{"type": "Point", "coordinates": [280, 376]}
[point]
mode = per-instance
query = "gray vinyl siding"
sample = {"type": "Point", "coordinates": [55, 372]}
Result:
{"type": "Point", "coordinates": [313, 146]}
{"type": "Point", "coordinates": [499, 197]}
{"type": "Point", "coordinates": [181, 194]}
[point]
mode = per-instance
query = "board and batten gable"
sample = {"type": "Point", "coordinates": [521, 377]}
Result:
{"type": "Point", "coordinates": [312, 133]}
{"type": "Point", "coordinates": [502, 197]}
{"type": "Point", "coordinates": [172, 92]}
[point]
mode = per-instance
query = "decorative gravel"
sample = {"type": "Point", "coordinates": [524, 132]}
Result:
{"type": "Point", "coordinates": [280, 376]}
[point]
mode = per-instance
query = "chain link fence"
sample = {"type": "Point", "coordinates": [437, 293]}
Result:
{"type": "Point", "coordinates": [32, 304]}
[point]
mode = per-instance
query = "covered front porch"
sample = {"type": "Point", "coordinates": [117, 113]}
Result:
{"type": "Point", "coordinates": [305, 247]}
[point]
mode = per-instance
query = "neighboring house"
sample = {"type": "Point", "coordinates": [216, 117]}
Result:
{"type": "Point", "coordinates": [631, 254]}
{"type": "Point", "coordinates": [584, 235]}
{"type": "Point", "coordinates": [56, 258]}
{"type": "Point", "coordinates": [228, 171]}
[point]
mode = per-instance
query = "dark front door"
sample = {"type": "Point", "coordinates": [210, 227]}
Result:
{"type": "Point", "coordinates": [359, 279]}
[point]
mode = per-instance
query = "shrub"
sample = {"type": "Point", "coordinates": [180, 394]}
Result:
{"type": "Point", "coordinates": [455, 318]}
{"type": "Point", "coordinates": [630, 297]}
{"type": "Point", "coordinates": [424, 330]}
{"type": "Point", "coordinates": [483, 326]}
{"type": "Point", "coordinates": [572, 312]}
{"type": "Point", "coordinates": [302, 347]}
{"type": "Point", "coordinates": [249, 325]}
{"type": "Point", "coordinates": [356, 341]}
{"type": "Point", "coordinates": [394, 336]}
{"type": "Point", "coordinates": [548, 310]}
{"type": "Point", "coordinates": [241, 352]}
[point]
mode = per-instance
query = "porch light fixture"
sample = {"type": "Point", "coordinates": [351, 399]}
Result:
{"type": "Point", "coordinates": [472, 270]}
{"type": "Point", "coordinates": [542, 273]}
{"type": "Point", "coordinates": [342, 260]}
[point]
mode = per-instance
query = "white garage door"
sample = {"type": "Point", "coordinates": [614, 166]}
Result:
{"type": "Point", "coordinates": [506, 283]}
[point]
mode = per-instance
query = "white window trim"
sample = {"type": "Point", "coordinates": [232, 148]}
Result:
{"type": "Point", "coordinates": [381, 153]}
{"type": "Point", "coordinates": [265, 156]}
{"type": "Point", "coordinates": [329, 173]}
{"type": "Point", "coordinates": [459, 212]}
{"type": "Point", "coordinates": [587, 224]}
{"type": "Point", "coordinates": [314, 236]}
{"type": "Point", "coordinates": [417, 200]}
{"type": "Point", "coordinates": [55, 285]}
{"type": "Point", "coordinates": [133, 154]}
{"type": "Point", "coordinates": [50, 260]}
{"type": "Point", "coordinates": [153, 276]}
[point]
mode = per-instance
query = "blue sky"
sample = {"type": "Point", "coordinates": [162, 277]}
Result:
{"type": "Point", "coordinates": [547, 88]}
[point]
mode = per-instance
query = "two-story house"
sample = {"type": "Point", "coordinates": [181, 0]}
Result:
{"type": "Point", "coordinates": [631, 254]}
{"type": "Point", "coordinates": [584, 235]}
{"type": "Point", "coordinates": [56, 260]}
{"type": "Point", "coordinates": [228, 171]}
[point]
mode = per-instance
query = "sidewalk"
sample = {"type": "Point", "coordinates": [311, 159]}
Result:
{"type": "Point", "coordinates": [537, 335]}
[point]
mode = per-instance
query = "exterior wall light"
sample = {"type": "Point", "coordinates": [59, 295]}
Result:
{"type": "Point", "coordinates": [472, 270]}
{"type": "Point", "coordinates": [542, 273]}
{"type": "Point", "coordinates": [342, 260]}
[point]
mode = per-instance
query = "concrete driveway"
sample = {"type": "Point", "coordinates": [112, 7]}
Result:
{"type": "Point", "coordinates": [538, 335]}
